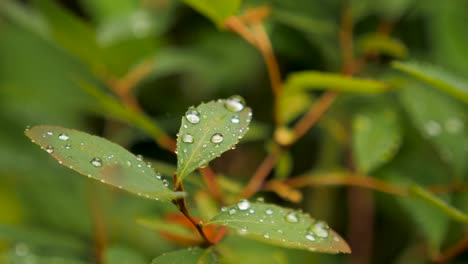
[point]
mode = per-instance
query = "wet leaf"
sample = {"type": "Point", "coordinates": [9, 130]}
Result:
{"type": "Point", "coordinates": [187, 256]}
{"type": "Point", "coordinates": [209, 130]}
{"type": "Point", "coordinates": [101, 160]}
{"type": "Point", "coordinates": [376, 138]}
{"type": "Point", "coordinates": [280, 226]}
{"type": "Point", "coordinates": [437, 77]}
{"type": "Point", "coordinates": [315, 80]}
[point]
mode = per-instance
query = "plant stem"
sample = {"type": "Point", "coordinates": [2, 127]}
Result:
{"type": "Point", "coordinates": [181, 204]}
{"type": "Point", "coordinates": [261, 174]}
{"type": "Point", "coordinates": [313, 114]}
{"type": "Point", "coordinates": [209, 177]}
{"type": "Point", "coordinates": [452, 252]}
{"type": "Point", "coordinates": [331, 179]}
{"type": "Point", "coordinates": [256, 35]}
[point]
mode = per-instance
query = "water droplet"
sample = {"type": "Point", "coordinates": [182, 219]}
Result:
{"type": "Point", "coordinates": [232, 211]}
{"type": "Point", "coordinates": [217, 138]}
{"type": "Point", "coordinates": [187, 138]}
{"type": "Point", "coordinates": [235, 103]}
{"type": "Point", "coordinates": [243, 204]}
{"type": "Point", "coordinates": [96, 162]}
{"type": "Point", "coordinates": [454, 125]}
{"type": "Point", "coordinates": [337, 239]}
{"type": "Point", "coordinates": [148, 165]}
{"type": "Point", "coordinates": [202, 164]}
{"type": "Point", "coordinates": [165, 182]}
{"type": "Point", "coordinates": [268, 211]}
{"type": "Point", "coordinates": [67, 146]}
{"type": "Point", "coordinates": [266, 235]}
{"type": "Point", "coordinates": [192, 115]}
{"type": "Point", "coordinates": [280, 231]}
{"type": "Point", "coordinates": [63, 137]}
{"type": "Point", "coordinates": [129, 163]}
{"type": "Point", "coordinates": [50, 133]}
{"type": "Point", "coordinates": [432, 128]}
{"type": "Point", "coordinates": [223, 209]}
{"type": "Point", "coordinates": [252, 211]}
{"type": "Point", "coordinates": [260, 200]}
{"type": "Point", "coordinates": [49, 149]}
{"type": "Point", "coordinates": [309, 236]}
{"type": "Point", "coordinates": [242, 231]}
{"type": "Point", "coordinates": [158, 176]}
{"type": "Point", "coordinates": [139, 157]}
{"type": "Point", "coordinates": [28, 127]}
{"type": "Point", "coordinates": [291, 218]}
{"type": "Point", "coordinates": [320, 229]}
{"type": "Point", "coordinates": [235, 120]}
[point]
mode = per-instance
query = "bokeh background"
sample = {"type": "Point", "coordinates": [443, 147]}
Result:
{"type": "Point", "coordinates": [49, 48]}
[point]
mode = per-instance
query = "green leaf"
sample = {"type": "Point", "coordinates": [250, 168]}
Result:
{"type": "Point", "coordinates": [215, 10]}
{"type": "Point", "coordinates": [187, 256]}
{"type": "Point", "coordinates": [377, 43]}
{"type": "Point", "coordinates": [101, 160]}
{"type": "Point", "coordinates": [279, 226]}
{"type": "Point", "coordinates": [376, 138]}
{"type": "Point", "coordinates": [441, 120]}
{"type": "Point", "coordinates": [209, 130]}
{"type": "Point", "coordinates": [315, 80]}
{"type": "Point", "coordinates": [437, 77]}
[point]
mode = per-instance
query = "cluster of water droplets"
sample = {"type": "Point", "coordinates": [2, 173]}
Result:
{"type": "Point", "coordinates": [99, 162]}
{"type": "Point", "coordinates": [233, 104]}
{"type": "Point", "coordinates": [269, 215]}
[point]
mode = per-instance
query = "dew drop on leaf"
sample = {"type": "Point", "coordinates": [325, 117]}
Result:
{"type": "Point", "coordinates": [310, 236]}
{"type": "Point", "coordinates": [217, 138]}
{"type": "Point", "coordinates": [63, 137]}
{"type": "Point", "coordinates": [49, 149]}
{"type": "Point", "coordinates": [193, 116]}
{"type": "Point", "coordinates": [243, 231]}
{"type": "Point", "coordinates": [187, 138]}
{"type": "Point", "coordinates": [235, 120]}
{"type": "Point", "coordinates": [243, 205]}
{"type": "Point", "coordinates": [232, 211]}
{"type": "Point", "coordinates": [96, 162]}
{"type": "Point", "coordinates": [67, 146]}
{"type": "Point", "coordinates": [235, 103]}
{"type": "Point", "coordinates": [268, 211]}
{"type": "Point", "coordinates": [320, 229]}
{"type": "Point", "coordinates": [291, 218]}
{"type": "Point", "coordinates": [266, 235]}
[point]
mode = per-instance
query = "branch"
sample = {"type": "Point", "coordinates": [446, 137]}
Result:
{"type": "Point", "coordinates": [261, 174]}
{"type": "Point", "coordinates": [331, 179]}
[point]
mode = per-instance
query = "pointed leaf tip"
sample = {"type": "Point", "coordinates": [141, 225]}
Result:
{"type": "Point", "coordinates": [101, 160]}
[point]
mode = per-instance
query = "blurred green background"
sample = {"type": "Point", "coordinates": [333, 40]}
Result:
{"type": "Point", "coordinates": [49, 48]}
